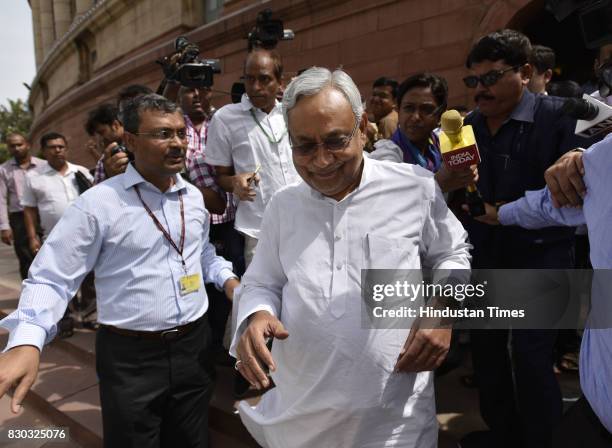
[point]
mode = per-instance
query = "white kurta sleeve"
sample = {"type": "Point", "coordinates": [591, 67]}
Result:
{"type": "Point", "coordinates": [263, 282]}
{"type": "Point", "coordinates": [444, 241]}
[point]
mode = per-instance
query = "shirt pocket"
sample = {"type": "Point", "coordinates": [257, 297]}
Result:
{"type": "Point", "coordinates": [382, 252]}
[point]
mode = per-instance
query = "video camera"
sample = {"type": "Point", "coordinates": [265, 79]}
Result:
{"type": "Point", "coordinates": [187, 68]}
{"type": "Point", "coordinates": [594, 17]}
{"type": "Point", "coordinates": [268, 31]}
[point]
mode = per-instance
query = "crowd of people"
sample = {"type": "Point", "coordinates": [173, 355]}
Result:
{"type": "Point", "coordinates": [245, 230]}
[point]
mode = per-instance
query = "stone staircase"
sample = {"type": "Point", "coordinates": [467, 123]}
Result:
{"type": "Point", "coordinates": [65, 393]}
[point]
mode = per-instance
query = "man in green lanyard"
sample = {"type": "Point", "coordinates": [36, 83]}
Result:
{"type": "Point", "coordinates": [250, 136]}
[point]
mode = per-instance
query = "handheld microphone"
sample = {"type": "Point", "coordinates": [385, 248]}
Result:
{"type": "Point", "coordinates": [459, 151]}
{"type": "Point", "coordinates": [594, 116]}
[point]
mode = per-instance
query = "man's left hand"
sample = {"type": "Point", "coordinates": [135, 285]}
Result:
{"type": "Point", "coordinates": [424, 350]}
{"type": "Point", "coordinates": [229, 286]}
{"type": "Point", "coordinates": [34, 244]}
{"type": "Point", "coordinates": [564, 180]}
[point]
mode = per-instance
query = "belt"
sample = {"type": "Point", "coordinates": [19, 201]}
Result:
{"type": "Point", "coordinates": [164, 335]}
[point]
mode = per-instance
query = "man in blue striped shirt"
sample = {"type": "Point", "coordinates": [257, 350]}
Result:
{"type": "Point", "coordinates": [145, 235]}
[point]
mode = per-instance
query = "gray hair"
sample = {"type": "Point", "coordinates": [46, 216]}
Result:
{"type": "Point", "coordinates": [313, 81]}
{"type": "Point", "coordinates": [133, 109]}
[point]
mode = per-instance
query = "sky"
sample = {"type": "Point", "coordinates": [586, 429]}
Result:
{"type": "Point", "coordinates": [16, 50]}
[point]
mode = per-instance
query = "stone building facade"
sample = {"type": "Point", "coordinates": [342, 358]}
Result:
{"type": "Point", "coordinates": [86, 50]}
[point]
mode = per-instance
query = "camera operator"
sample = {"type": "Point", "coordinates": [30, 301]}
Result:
{"type": "Point", "coordinates": [105, 122]}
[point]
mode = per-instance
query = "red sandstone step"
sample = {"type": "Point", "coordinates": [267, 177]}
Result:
{"type": "Point", "coordinates": [66, 390]}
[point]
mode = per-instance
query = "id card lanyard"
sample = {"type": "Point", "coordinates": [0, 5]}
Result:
{"type": "Point", "coordinates": [270, 139]}
{"type": "Point", "coordinates": [179, 248]}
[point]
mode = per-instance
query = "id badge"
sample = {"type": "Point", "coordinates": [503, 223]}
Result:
{"type": "Point", "coordinates": [189, 284]}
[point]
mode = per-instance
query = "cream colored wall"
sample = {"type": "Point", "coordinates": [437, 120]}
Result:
{"type": "Point", "coordinates": [138, 25]}
{"type": "Point", "coordinates": [119, 30]}
{"type": "Point", "coordinates": [65, 77]}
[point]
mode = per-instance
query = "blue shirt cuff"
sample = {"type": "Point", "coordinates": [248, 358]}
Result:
{"type": "Point", "coordinates": [26, 333]}
{"type": "Point", "coordinates": [505, 214]}
{"type": "Point", "coordinates": [224, 275]}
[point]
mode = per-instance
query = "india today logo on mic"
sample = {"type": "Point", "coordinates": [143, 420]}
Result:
{"type": "Point", "coordinates": [462, 157]}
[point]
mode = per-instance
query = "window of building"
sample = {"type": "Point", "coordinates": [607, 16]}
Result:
{"type": "Point", "coordinates": [86, 48]}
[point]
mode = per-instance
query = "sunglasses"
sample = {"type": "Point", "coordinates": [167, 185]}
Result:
{"type": "Point", "coordinates": [489, 78]}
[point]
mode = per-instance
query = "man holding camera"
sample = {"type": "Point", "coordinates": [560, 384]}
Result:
{"type": "Point", "coordinates": [145, 234]}
{"type": "Point", "coordinates": [105, 122]}
{"type": "Point", "coordinates": [249, 146]}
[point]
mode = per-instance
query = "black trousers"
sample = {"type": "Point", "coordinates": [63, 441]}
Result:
{"type": "Point", "coordinates": [155, 393]}
{"type": "Point", "coordinates": [20, 243]}
{"type": "Point", "coordinates": [580, 427]}
{"type": "Point", "coordinates": [520, 397]}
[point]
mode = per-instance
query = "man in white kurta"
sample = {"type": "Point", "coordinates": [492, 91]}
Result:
{"type": "Point", "coordinates": [335, 381]}
{"type": "Point", "coordinates": [248, 145]}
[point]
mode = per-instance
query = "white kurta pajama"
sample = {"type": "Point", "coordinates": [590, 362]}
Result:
{"type": "Point", "coordinates": [335, 385]}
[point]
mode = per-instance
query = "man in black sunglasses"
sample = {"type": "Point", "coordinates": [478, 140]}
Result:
{"type": "Point", "coordinates": [519, 135]}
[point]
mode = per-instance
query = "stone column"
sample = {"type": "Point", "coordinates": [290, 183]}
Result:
{"type": "Point", "coordinates": [62, 16]}
{"type": "Point", "coordinates": [47, 30]}
{"type": "Point", "coordinates": [82, 6]}
{"type": "Point", "coordinates": [38, 50]}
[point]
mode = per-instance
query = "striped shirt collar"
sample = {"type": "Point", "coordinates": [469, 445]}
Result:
{"type": "Point", "coordinates": [132, 177]}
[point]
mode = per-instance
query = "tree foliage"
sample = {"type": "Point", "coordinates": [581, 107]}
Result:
{"type": "Point", "coordinates": [14, 118]}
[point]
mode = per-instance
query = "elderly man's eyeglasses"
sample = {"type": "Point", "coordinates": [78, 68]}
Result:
{"type": "Point", "coordinates": [333, 144]}
{"type": "Point", "coordinates": [489, 78]}
{"type": "Point", "coordinates": [165, 134]}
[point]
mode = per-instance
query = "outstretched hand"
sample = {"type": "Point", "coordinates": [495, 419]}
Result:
{"type": "Point", "coordinates": [19, 367]}
{"type": "Point", "coordinates": [252, 352]}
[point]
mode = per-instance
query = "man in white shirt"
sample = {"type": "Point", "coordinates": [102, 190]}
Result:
{"type": "Point", "coordinates": [48, 193]}
{"type": "Point", "coordinates": [248, 135]}
{"type": "Point", "coordinates": [339, 384]}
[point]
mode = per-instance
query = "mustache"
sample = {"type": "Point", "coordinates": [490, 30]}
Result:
{"type": "Point", "coordinates": [176, 153]}
{"type": "Point", "coordinates": [483, 96]}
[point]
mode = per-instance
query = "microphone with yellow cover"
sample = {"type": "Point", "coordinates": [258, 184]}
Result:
{"type": "Point", "coordinates": [460, 151]}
